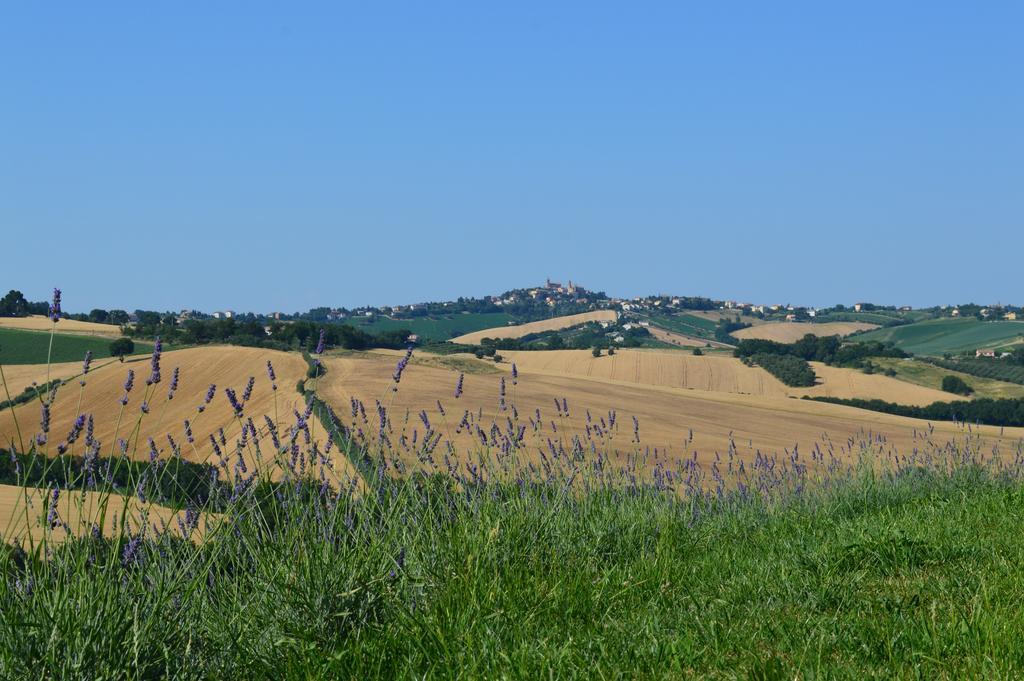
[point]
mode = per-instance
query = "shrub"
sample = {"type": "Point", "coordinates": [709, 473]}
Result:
{"type": "Point", "coordinates": [791, 370]}
{"type": "Point", "coordinates": [596, 352]}
{"type": "Point", "coordinates": [698, 352]}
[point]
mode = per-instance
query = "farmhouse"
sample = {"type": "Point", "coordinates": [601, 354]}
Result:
{"type": "Point", "coordinates": [985, 352]}
{"type": "Point", "coordinates": [1010, 316]}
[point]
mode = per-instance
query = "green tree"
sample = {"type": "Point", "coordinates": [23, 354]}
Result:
{"type": "Point", "coordinates": [122, 346]}
{"type": "Point", "coordinates": [13, 305]}
{"type": "Point", "coordinates": [957, 385]}
{"type": "Point", "coordinates": [611, 350]}
{"type": "Point", "coordinates": [698, 352]}
{"type": "Point", "coordinates": [596, 352]}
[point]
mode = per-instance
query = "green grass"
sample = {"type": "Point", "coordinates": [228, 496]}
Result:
{"type": "Point", "coordinates": [18, 346]}
{"type": "Point", "coordinates": [910, 576]}
{"type": "Point", "coordinates": [434, 328]}
{"type": "Point", "coordinates": [935, 337]}
{"type": "Point", "coordinates": [930, 376]}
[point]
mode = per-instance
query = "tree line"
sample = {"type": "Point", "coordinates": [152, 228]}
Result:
{"type": "Point", "coordinates": [986, 411]}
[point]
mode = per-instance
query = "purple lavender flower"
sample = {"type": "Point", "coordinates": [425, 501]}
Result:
{"type": "Point", "coordinates": [515, 374]}
{"type": "Point", "coordinates": [174, 384]}
{"type": "Point", "coordinates": [400, 367]}
{"type": "Point", "coordinates": [271, 375]}
{"type": "Point", "coordinates": [55, 306]}
{"type": "Point", "coordinates": [501, 390]}
{"type": "Point", "coordinates": [154, 454]}
{"type": "Point", "coordinates": [247, 393]}
{"type": "Point", "coordinates": [209, 396]}
{"type": "Point", "coordinates": [51, 515]}
{"type": "Point", "coordinates": [76, 429]}
{"type": "Point", "coordinates": [154, 364]}
{"type": "Point", "coordinates": [44, 418]}
{"type": "Point", "coordinates": [87, 361]}
{"type": "Point", "coordinates": [130, 555]}
{"type": "Point", "coordinates": [233, 399]}
{"type": "Point", "coordinates": [320, 343]}
{"type": "Point", "coordinates": [188, 432]}
{"type": "Point", "coordinates": [128, 384]}
{"type": "Point", "coordinates": [458, 386]}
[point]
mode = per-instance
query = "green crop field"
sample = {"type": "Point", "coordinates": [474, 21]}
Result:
{"type": "Point", "coordinates": [687, 324]}
{"type": "Point", "coordinates": [30, 347]}
{"type": "Point", "coordinates": [433, 328]}
{"type": "Point", "coordinates": [938, 336]}
{"type": "Point", "coordinates": [930, 376]}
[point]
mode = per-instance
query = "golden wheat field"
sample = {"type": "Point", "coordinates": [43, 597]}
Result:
{"type": "Point", "coordinates": [17, 377]}
{"type": "Point", "coordinates": [790, 332]}
{"type": "Point", "coordinates": [719, 373]}
{"type": "Point", "coordinates": [24, 511]}
{"type": "Point", "coordinates": [225, 367]}
{"type": "Point", "coordinates": [41, 323]}
{"type": "Point", "coordinates": [521, 330]}
{"type": "Point", "coordinates": [666, 415]}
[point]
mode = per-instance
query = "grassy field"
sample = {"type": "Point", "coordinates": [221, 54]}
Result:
{"type": "Point", "coordinates": [924, 374]}
{"type": "Point", "coordinates": [553, 324]}
{"type": "Point", "coordinates": [939, 336]}
{"type": "Point", "coordinates": [790, 332]}
{"type": "Point", "coordinates": [687, 324]}
{"type": "Point", "coordinates": [433, 328]}
{"type": "Point", "coordinates": [560, 543]}
{"type": "Point", "coordinates": [18, 346]}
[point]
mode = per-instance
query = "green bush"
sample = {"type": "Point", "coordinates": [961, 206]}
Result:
{"type": "Point", "coordinates": [955, 384]}
{"type": "Point", "coordinates": [121, 347]}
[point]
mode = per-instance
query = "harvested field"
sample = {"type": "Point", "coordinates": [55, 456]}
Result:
{"type": "Point", "coordinates": [21, 376]}
{"type": "Point", "coordinates": [666, 415]}
{"type": "Point", "coordinates": [226, 367]}
{"type": "Point", "coordinates": [853, 383]}
{"type": "Point", "coordinates": [683, 340]}
{"type": "Point", "coordinates": [41, 323]}
{"type": "Point", "coordinates": [553, 324]}
{"type": "Point", "coordinates": [790, 332]}
{"type": "Point", "coordinates": [23, 513]}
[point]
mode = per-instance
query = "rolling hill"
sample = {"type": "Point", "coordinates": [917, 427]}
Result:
{"type": "Point", "coordinates": [939, 336]}
{"type": "Point", "coordinates": [553, 324]}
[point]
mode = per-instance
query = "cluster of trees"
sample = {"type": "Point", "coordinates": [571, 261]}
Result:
{"type": "Point", "coordinates": [276, 335]}
{"type": "Point", "coordinates": [827, 349]}
{"type": "Point", "coordinates": [14, 305]}
{"type": "Point", "coordinates": [725, 329]}
{"type": "Point", "coordinates": [789, 369]}
{"type": "Point", "coordinates": [957, 385]}
{"type": "Point", "coordinates": [986, 411]}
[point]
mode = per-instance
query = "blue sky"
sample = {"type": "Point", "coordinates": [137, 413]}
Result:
{"type": "Point", "coordinates": [245, 155]}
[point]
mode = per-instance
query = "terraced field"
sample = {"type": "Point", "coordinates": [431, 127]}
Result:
{"type": "Point", "coordinates": [938, 336]}
{"type": "Point", "coordinates": [553, 324]}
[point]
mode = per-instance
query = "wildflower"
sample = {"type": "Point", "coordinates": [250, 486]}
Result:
{"type": "Point", "coordinates": [247, 393]}
{"type": "Point", "coordinates": [51, 515]}
{"type": "Point", "coordinates": [154, 363]}
{"type": "Point", "coordinates": [130, 555]}
{"type": "Point", "coordinates": [174, 384]}
{"type": "Point", "coordinates": [209, 396]}
{"type": "Point", "coordinates": [320, 343]}
{"type": "Point", "coordinates": [458, 386]}
{"type": "Point", "coordinates": [55, 306]}
{"type": "Point", "coordinates": [76, 429]}
{"type": "Point", "coordinates": [188, 432]}
{"type": "Point", "coordinates": [128, 384]}
{"type": "Point", "coordinates": [154, 454]}
{"type": "Point", "coordinates": [87, 361]}
{"type": "Point", "coordinates": [44, 418]}
{"type": "Point", "coordinates": [271, 375]}
{"type": "Point", "coordinates": [400, 367]}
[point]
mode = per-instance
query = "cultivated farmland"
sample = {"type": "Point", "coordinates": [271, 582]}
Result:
{"type": "Point", "coordinates": [790, 332]}
{"type": "Point", "coordinates": [31, 347]}
{"type": "Point", "coordinates": [226, 367]}
{"type": "Point", "coordinates": [41, 323]}
{"type": "Point", "coordinates": [666, 415]}
{"type": "Point", "coordinates": [554, 324]}
{"type": "Point", "coordinates": [938, 336]}
{"type": "Point", "coordinates": [434, 328]}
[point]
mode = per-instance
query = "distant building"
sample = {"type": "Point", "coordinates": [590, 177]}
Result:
{"type": "Point", "coordinates": [955, 312]}
{"type": "Point", "coordinates": [857, 307]}
{"type": "Point", "coordinates": [985, 352]}
{"type": "Point", "coordinates": [1010, 316]}
{"type": "Point", "coordinates": [791, 318]}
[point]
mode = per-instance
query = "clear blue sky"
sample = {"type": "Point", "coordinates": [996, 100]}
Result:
{"type": "Point", "coordinates": [244, 155]}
